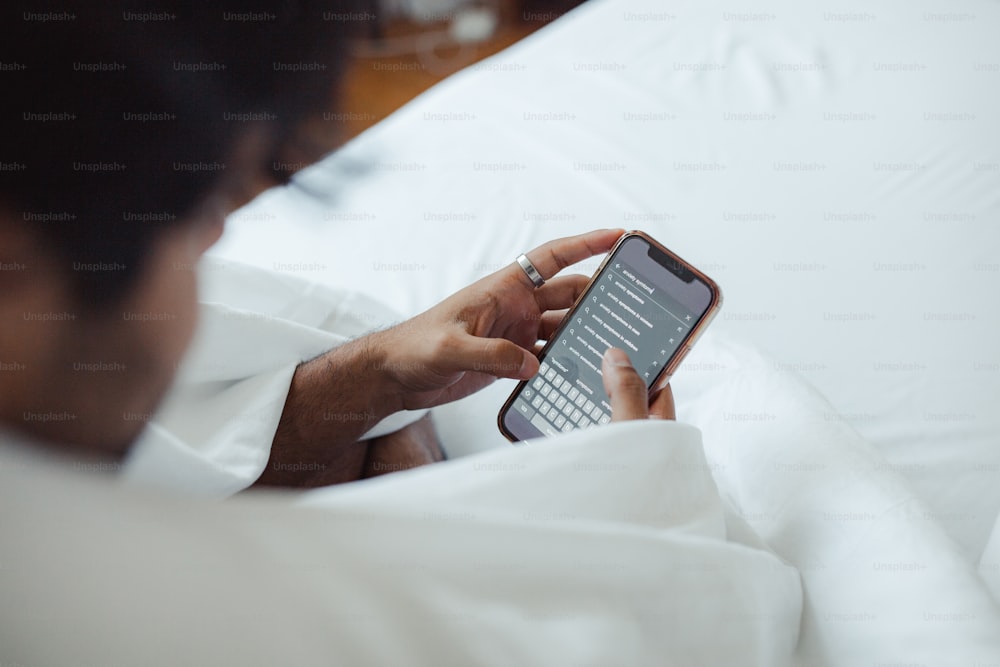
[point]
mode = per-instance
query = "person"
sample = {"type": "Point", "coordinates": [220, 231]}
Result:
{"type": "Point", "coordinates": [140, 125]}
{"type": "Point", "coordinates": [142, 128]}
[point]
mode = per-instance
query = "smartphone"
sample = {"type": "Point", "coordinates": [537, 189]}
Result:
{"type": "Point", "coordinates": [643, 299]}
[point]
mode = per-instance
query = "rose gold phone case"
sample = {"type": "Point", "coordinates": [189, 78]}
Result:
{"type": "Point", "coordinates": [713, 309]}
{"type": "Point", "coordinates": [664, 376]}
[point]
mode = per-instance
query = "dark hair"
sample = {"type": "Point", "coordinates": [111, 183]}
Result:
{"type": "Point", "coordinates": [119, 118]}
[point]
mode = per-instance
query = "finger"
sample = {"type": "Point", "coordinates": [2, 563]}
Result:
{"type": "Point", "coordinates": [549, 323]}
{"type": "Point", "coordinates": [537, 348]}
{"type": "Point", "coordinates": [493, 356]}
{"type": "Point", "coordinates": [552, 257]}
{"type": "Point", "coordinates": [628, 393]}
{"type": "Point", "coordinates": [662, 405]}
{"type": "Point", "coordinates": [561, 292]}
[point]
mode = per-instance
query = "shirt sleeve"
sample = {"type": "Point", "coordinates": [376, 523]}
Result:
{"type": "Point", "coordinates": [212, 434]}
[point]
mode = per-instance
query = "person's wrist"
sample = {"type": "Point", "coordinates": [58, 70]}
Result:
{"type": "Point", "coordinates": [382, 371]}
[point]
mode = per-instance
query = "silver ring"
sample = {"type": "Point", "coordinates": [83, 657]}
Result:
{"type": "Point", "coordinates": [533, 275]}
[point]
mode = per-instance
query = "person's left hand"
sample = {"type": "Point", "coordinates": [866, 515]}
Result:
{"type": "Point", "coordinates": [629, 397]}
{"type": "Point", "coordinates": [488, 330]}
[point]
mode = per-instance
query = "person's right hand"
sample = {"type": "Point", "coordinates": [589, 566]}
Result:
{"type": "Point", "coordinates": [629, 398]}
{"type": "Point", "coordinates": [488, 330]}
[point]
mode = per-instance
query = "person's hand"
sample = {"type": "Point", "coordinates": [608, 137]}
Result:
{"type": "Point", "coordinates": [627, 391]}
{"type": "Point", "coordinates": [487, 330]}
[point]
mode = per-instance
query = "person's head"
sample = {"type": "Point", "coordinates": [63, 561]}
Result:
{"type": "Point", "coordinates": [129, 130]}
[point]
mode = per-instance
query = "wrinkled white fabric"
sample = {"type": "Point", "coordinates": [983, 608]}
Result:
{"type": "Point", "coordinates": [212, 436]}
{"type": "Point", "coordinates": [989, 564]}
{"type": "Point", "coordinates": [606, 546]}
{"type": "Point", "coordinates": [563, 546]}
{"type": "Point", "coordinates": [883, 582]}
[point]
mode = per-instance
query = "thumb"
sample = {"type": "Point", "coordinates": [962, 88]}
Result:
{"type": "Point", "coordinates": [628, 393]}
{"type": "Point", "coordinates": [494, 356]}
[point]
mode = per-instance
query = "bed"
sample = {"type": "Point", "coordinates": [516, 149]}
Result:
{"type": "Point", "coordinates": [836, 170]}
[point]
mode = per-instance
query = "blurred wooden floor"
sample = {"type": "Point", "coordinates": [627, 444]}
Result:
{"type": "Point", "coordinates": [407, 59]}
{"type": "Point", "coordinates": [376, 86]}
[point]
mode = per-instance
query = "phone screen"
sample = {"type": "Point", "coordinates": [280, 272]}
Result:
{"type": "Point", "coordinates": [643, 300]}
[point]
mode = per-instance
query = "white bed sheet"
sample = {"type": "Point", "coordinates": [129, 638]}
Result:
{"type": "Point", "coordinates": [508, 558]}
{"type": "Point", "coordinates": [606, 546]}
{"type": "Point", "coordinates": [837, 170]}
{"type": "Point", "coordinates": [882, 583]}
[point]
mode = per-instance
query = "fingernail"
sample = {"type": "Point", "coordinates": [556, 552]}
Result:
{"type": "Point", "coordinates": [617, 357]}
{"type": "Point", "coordinates": [528, 368]}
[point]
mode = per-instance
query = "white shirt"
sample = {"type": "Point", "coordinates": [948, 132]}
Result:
{"type": "Point", "coordinates": [212, 435]}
